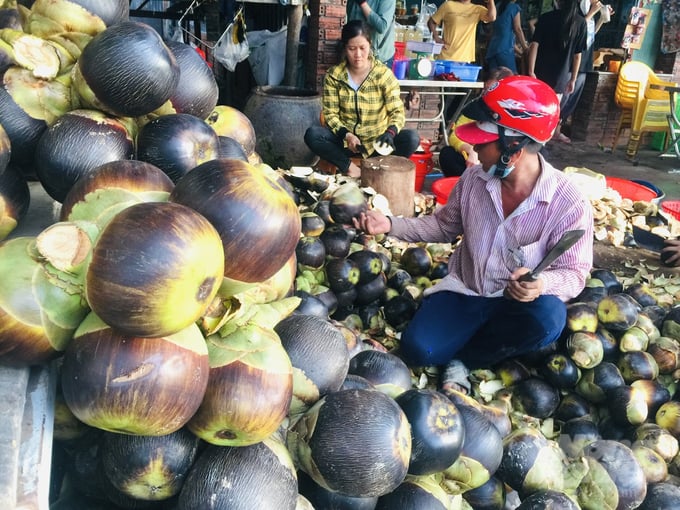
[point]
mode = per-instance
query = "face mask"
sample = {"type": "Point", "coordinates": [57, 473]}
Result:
{"type": "Point", "coordinates": [501, 173]}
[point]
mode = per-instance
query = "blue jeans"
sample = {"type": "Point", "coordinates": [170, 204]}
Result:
{"type": "Point", "coordinates": [326, 145]}
{"type": "Point", "coordinates": [570, 101]}
{"type": "Point", "coordinates": [479, 331]}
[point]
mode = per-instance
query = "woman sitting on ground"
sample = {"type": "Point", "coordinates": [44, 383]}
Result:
{"type": "Point", "coordinates": [362, 108]}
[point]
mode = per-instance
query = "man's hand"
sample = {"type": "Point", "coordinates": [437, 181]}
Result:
{"type": "Point", "coordinates": [670, 255]}
{"type": "Point", "coordinates": [373, 222]}
{"type": "Point", "coordinates": [523, 291]}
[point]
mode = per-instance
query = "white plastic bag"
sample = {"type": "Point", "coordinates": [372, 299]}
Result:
{"type": "Point", "coordinates": [268, 56]}
{"type": "Point", "coordinates": [173, 31]}
{"type": "Point", "coordinates": [232, 47]}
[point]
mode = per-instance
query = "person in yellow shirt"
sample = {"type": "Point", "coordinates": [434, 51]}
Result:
{"type": "Point", "coordinates": [458, 155]}
{"type": "Point", "coordinates": [459, 19]}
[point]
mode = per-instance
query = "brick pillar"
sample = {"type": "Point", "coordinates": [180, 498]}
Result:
{"type": "Point", "coordinates": [669, 63]}
{"type": "Point", "coordinates": [596, 116]}
{"type": "Point", "coordinates": [325, 25]}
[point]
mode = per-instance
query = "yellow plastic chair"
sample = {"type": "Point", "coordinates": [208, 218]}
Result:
{"type": "Point", "coordinates": [631, 78]}
{"type": "Point", "coordinates": [643, 109]}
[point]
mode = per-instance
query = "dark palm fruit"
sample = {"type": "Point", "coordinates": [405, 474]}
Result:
{"type": "Point", "coordinates": [369, 263]}
{"type": "Point", "coordinates": [436, 427]}
{"type": "Point", "coordinates": [342, 274]}
{"type": "Point", "coordinates": [311, 252]}
{"type": "Point", "coordinates": [416, 260]}
{"type": "Point", "coordinates": [128, 70]}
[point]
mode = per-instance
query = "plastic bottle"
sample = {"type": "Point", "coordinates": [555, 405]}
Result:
{"type": "Point", "coordinates": [410, 34]}
{"type": "Point", "coordinates": [424, 33]}
{"type": "Point", "coordinates": [399, 33]}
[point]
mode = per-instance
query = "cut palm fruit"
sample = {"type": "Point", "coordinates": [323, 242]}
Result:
{"type": "Point", "coordinates": [69, 16]}
{"type": "Point", "coordinates": [73, 42]}
{"type": "Point", "coordinates": [41, 26]}
{"type": "Point", "coordinates": [41, 99]}
{"type": "Point", "coordinates": [31, 52]}
{"type": "Point", "coordinates": [66, 58]}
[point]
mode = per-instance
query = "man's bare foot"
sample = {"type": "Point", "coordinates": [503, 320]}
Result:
{"type": "Point", "coordinates": [560, 137]}
{"type": "Point", "coordinates": [354, 171]}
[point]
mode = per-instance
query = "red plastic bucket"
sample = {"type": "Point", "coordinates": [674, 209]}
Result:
{"type": "Point", "coordinates": [442, 188]}
{"type": "Point", "coordinates": [424, 165]}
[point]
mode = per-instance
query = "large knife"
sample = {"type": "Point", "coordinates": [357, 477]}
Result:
{"type": "Point", "coordinates": [567, 240]}
{"type": "Point", "coordinates": [648, 240]}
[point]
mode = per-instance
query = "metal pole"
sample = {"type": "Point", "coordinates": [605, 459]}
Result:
{"type": "Point", "coordinates": [292, 44]}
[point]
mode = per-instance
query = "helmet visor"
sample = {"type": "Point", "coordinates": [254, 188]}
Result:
{"type": "Point", "coordinates": [484, 129]}
{"type": "Point", "coordinates": [480, 132]}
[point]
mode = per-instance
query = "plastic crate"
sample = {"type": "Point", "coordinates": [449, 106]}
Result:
{"type": "Point", "coordinates": [443, 66]}
{"type": "Point", "coordinates": [631, 190]}
{"type": "Point", "coordinates": [430, 48]}
{"type": "Point", "coordinates": [466, 72]}
{"type": "Point", "coordinates": [672, 207]}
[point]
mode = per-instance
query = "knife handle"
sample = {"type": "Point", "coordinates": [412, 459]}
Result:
{"type": "Point", "coordinates": [529, 276]}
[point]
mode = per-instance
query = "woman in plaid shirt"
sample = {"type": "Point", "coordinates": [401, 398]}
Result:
{"type": "Point", "coordinates": [361, 107]}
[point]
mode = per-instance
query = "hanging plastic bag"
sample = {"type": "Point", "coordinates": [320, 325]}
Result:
{"type": "Point", "coordinates": [232, 47]}
{"type": "Point", "coordinates": [426, 11]}
{"type": "Point", "coordinates": [173, 31]}
{"type": "Point", "coordinates": [268, 56]}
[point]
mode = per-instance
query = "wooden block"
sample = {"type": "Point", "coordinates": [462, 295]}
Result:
{"type": "Point", "coordinates": [395, 178]}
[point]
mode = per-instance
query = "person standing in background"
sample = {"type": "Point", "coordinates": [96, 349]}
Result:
{"type": "Point", "coordinates": [507, 31]}
{"type": "Point", "coordinates": [556, 47]}
{"type": "Point", "coordinates": [459, 19]}
{"type": "Point", "coordinates": [588, 10]}
{"type": "Point", "coordinates": [379, 16]}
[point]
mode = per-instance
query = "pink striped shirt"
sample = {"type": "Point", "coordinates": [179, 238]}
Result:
{"type": "Point", "coordinates": [483, 261]}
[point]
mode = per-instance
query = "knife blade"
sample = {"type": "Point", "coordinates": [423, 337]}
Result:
{"type": "Point", "coordinates": [648, 240]}
{"type": "Point", "coordinates": [567, 240]}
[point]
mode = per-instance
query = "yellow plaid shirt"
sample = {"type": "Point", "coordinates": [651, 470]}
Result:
{"type": "Point", "coordinates": [366, 112]}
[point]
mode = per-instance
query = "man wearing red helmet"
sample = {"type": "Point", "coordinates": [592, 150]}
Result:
{"type": "Point", "coordinates": [510, 210]}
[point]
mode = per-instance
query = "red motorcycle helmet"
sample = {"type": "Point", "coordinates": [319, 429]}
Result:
{"type": "Point", "coordinates": [523, 105]}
